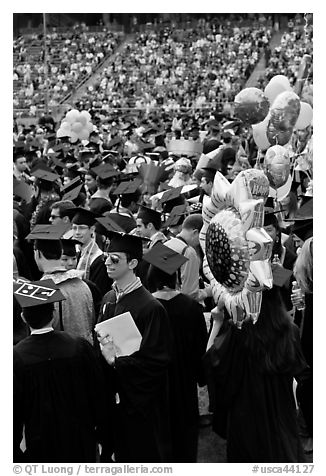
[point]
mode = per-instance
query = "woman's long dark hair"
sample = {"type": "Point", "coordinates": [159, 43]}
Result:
{"type": "Point", "coordinates": [271, 340]}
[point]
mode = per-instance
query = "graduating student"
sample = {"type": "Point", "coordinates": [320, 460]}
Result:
{"type": "Point", "coordinates": [142, 431]}
{"type": "Point", "coordinates": [189, 339]}
{"type": "Point", "coordinates": [58, 393]}
{"type": "Point", "coordinates": [91, 258]}
{"type": "Point", "coordinates": [250, 375]}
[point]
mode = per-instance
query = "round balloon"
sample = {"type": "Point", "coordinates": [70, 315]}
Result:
{"type": "Point", "coordinates": [259, 132]}
{"type": "Point", "coordinates": [277, 85]}
{"type": "Point", "coordinates": [76, 127]}
{"type": "Point", "coordinates": [72, 116]}
{"type": "Point", "coordinates": [277, 166]}
{"type": "Point", "coordinates": [251, 106]}
{"type": "Point", "coordinates": [283, 191]}
{"type": "Point", "coordinates": [285, 111]}
{"type": "Point", "coordinates": [305, 116]}
{"type": "Point", "coordinates": [276, 136]}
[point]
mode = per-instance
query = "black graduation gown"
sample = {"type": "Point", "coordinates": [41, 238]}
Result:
{"type": "Point", "coordinates": [189, 345]}
{"type": "Point", "coordinates": [255, 411]}
{"type": "Point", "coordinates": [99, 276]}
{"type": "Point", "coordinates": [59, 397]}
{"type": "Point", "coordinates": [142, 429]}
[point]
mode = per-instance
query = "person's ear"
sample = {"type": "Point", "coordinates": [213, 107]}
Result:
{"type": "Point", "coordinates": [133, 263]}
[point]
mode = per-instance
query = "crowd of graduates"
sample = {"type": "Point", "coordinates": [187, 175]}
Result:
{"type": "Point", "coordinates": [108, 228]}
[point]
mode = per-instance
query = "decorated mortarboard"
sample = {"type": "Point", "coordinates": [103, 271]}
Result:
{"type": "Point", "coordinates": [105, 171]}
{"type": "Point", "coordinates": [176, 216]}
{"type": "Point", "coordinates": [164, 258]}
{"type": "Point", "coordinates": [81, 216]}
{"type": "Point", "coordinates": [127, 187]}
{"type": "Point", "coordinates": [36, 293]}
{"type": "Point", "coordinates": [48, 232]}
{"type": "Point", "coordinates": [148, 214]}
{"type": "Point", "coordinates": [23, 190]}
{"type": "Point", "coordinates": [171, 194]}
{"type": "Point", "coordinates": [69, 246]}
{"type": "Point", "coordinates": [126, 243]}
{"type": "Point", "coordinates": [43, 174]}
{"type": "Point", "coordinates": [107, 226]}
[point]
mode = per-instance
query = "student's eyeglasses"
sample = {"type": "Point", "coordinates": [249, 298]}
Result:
{"type": "Point", "coordinates": [113, 258]}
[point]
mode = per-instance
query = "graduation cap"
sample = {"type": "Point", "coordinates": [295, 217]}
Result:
{"type": "Point", "coordinates": [58, 163]}
{"type": "Point", "coordinates": [153, 155]}
{"type": "Point", "coordinates": [19, 146]}
{"type": "Point", "coordinates": [105, 171]}
{"type": "Point", "coordinates": [43, 174]}
{"type": "Point", "coordinates": [213, 124]}
{"type": "Point", "coordinates": [69, 246]}
{"type": "Point", "coordinates": [147, 146]}
{"type": "Point", "coordinates": [71, 185]}
{"type": "Point", "coordinates": [171, 194]}
{"type": "Point", "coordinates": [125, 188]}
{"type": "Point", "coordinates": [73, 193]}
{"type": "Point", "coordinates": [81, 216]}
{"type": "Point", "coordinates": [23, 190]}
{"type": "Point", "coordinates": [125, 243]}
{"type": "Point", "coordinates": [176, 216]}
{"type": "Point", "coordinates": [164, 258]}
{"type": "Point", "coordinates": [107, 225]}
{"type": "Point", "coordinates": [115, 141]}
{"type": "Point", "coordinates": [36, 293]}
{"type": "Point", "coordinates": [149, 215]}
{"type": "Point", "coordinates": [303, 220]}
{"type": "Point", "coordinates": [48, 232]}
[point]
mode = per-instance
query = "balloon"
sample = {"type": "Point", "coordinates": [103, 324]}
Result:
{"type": "Point", "coordinates": [283, 191]}
{"type": "Point", "coordinates": [259, 132]}
{"type": "Point", "coordinates": [277, 85]}
{"type": "Point", "coordinates": [83, 134]}
{"type": "Point", "coordinates": [61, 132]}
{"type": "Point", "coordinates": [65, 126]}
{"type": "Point", "coordinates": [73, 137]}
{"type": "Point", "coordinates": [305, 116]}
{"type": "Point", "coordinates": [233, 239]}
{"type": "Point", "coordinates": [284, 113]}
{"type": "Point", "coordinates": [89, 127]}
{"type": "Point", "coordinates": [251, 106]}
{"type": "Point", "coordinates": [307, 94]}
{"type": "Point", "coordinates": [76, 127]}
{"type": "Point", "coordinates": [277, 166]}
{"type": "Point", "coordinates": [82, 119]}
{"type": "Point", "coordinates": [72, 116]}
{"type": "Point", "coordinates": [87, 115]}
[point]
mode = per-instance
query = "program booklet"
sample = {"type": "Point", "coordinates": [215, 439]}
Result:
{"type": "Point", "coordinates": [124, 332]}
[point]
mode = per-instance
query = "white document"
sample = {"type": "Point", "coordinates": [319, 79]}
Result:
{"type": "Point", "coordinates": [124, 332]}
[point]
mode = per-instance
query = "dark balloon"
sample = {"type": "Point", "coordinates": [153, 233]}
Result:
{"type": "Point", "coordinates": [251, 106]}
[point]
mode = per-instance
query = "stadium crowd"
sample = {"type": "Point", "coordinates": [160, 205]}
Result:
{"type": "Point", "coordinates": [109, 227]}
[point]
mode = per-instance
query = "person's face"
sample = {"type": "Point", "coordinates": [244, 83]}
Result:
{"type": "Point", "coordinates": [142, 229]}
{"type": "Point", "coordinates": [90, 182]}
{"type": "Point", "coordinates": [82, 233]}
{"type": "Point", "coordinates": [193, 237]}
{"type": "Point", "coordinates": [206, 186]}
{"type": "Point", "coordinates": [271, 230]}
{"type": "Point", "coordinates": [21, 164]}
{"type": "Point", "coordinates": [69, 262]}
{"type": "Point", "coordinates": [55, 217]}
{"type": "Point", "coordinates": [117, 266]}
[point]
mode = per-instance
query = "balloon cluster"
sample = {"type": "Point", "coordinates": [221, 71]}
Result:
{"type": "Point", "coordinates": [237, 248]}
{"type": "Point", "coordinates": [76, 125]}
{"type": "Point", "coordinates": [274, 114]}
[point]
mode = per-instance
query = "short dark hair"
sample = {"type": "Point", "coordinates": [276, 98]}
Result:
{"type": "Point", "coordinates": [193, 222]}
{"type": "Point", "coordinates": [38, 316]}
{"type": "Point", "coordinates": [62, 205]}
{"type": "Point", "coordinates": [126, 199]}
{"type": "Point", "coordinates": [157, 279]}
{"type": "Point", "coordinates": [156, 222]}
{"type": "Point", "coordinates": [104, 183]}
{"type": "Point", "coordinates": [51, 249]}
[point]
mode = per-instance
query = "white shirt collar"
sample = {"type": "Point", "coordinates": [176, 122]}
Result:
{"type": "Point", "coordinates": [44, 330]}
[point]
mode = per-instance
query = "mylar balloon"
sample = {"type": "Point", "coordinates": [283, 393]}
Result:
{"type": "Point", "coordinates": [277, 166]}
{"type": "Point", "coordinates": [251, 106]}
{"type": "Point", "coordinates": [259, 132]}
{"type": "Point", "coordinates": [234, 241]}
{"type": "Point", "coordinates": [305, 116]}
{"type": "Point", "coordinates": [277, 85]}
{"type": "Point", "coordinates": [285, 111]}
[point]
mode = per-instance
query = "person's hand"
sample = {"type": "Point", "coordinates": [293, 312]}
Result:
{"type": "Point", "coordinates": [108, 348]}
{"type": "Point", "coordinates": [217, 312]}
{"type": "Point", "coordinates": [297, 297]}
